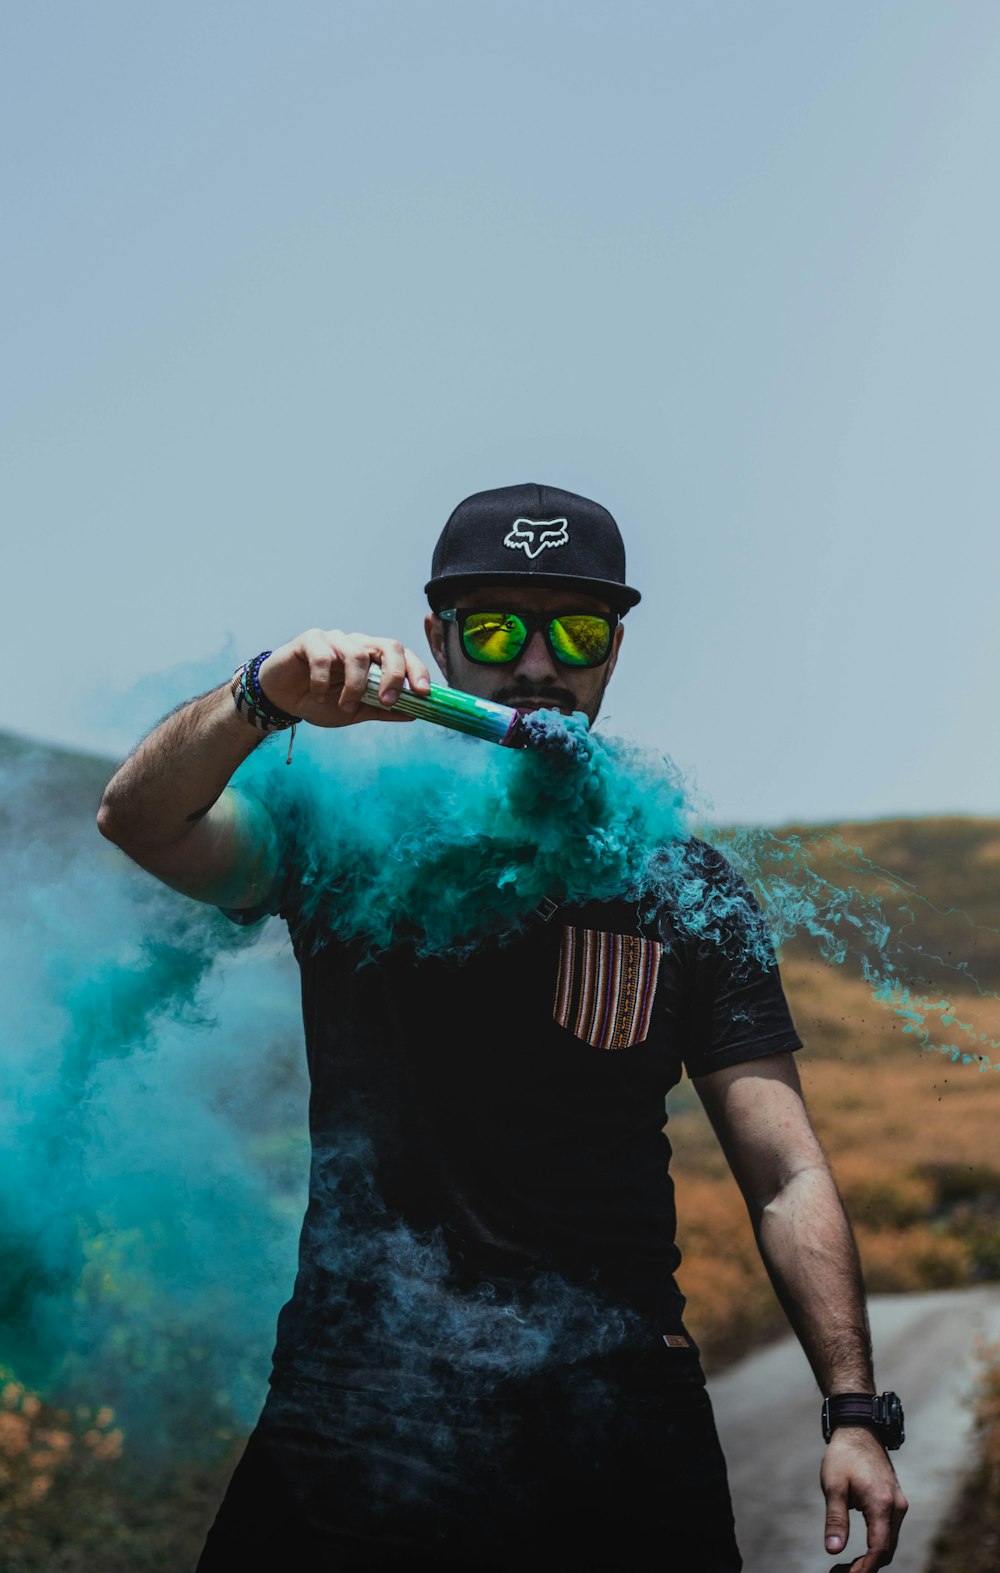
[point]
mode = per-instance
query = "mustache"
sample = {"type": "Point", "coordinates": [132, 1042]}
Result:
{"type": "Point", "coordinates": [516, 693]}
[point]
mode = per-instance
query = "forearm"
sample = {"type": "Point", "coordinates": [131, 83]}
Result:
{"type": "Point", "coordinates": [171, 779]}
{"type": "Point", "coordinates": [168, 807]}
{"type": "Point", "coordinates": [808, 1248]}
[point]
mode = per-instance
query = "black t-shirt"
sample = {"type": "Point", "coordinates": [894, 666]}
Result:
{"type": "Point", "coordinates": [488, 1143]}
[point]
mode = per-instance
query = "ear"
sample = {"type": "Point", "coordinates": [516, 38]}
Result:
{"type": "Point", "coordinates": [436, 633]}
{"type": "Point", "coordinates": [616, 643]}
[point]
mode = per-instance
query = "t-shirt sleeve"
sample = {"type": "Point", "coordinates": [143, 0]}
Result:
{"type": "Point", "coordinates": [279, 903]}
{"type": "Point", "coordinates": [273, 904]}
{"type": "Point", "coordinates": [737, 1009]}
{"type": "Point", "coordinates": [282, 891]}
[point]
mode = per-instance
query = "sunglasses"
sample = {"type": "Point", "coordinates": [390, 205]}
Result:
{"type": "Point", "coordinates": [497, 638]}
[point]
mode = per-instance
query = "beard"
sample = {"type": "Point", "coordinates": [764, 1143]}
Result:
{"type": "Point", "coordinates": [550, 695]}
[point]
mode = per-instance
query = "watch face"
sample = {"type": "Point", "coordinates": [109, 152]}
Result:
{"type": "Point", "coordinates": [893, 1421]}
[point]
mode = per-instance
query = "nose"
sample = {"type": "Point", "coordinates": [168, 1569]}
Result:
{"type": "Point", "coordinates": [536, 662]}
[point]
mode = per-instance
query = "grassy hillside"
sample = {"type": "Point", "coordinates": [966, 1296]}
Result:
{"type": "Point", "coordinates": [939, 879]}
{"type": "Point", "coordinates": [55, 790]}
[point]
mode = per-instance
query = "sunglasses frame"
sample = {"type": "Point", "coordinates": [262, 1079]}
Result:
{"type": "Point", "coordinates": [534, 622]}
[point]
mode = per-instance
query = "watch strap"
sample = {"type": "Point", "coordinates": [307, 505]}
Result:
{"type": "Point", "coordinates": [881, 1413]}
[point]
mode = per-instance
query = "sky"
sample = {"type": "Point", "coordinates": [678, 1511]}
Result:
{"type": "Point", "coordinates": [283, 283]}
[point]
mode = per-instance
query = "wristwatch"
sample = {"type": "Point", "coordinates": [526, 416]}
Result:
{"type": "Point", "coordinates": [880, 1412]}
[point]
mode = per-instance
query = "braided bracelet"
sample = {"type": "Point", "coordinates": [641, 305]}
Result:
{"type": "Point", "coordinates": [254, 705]}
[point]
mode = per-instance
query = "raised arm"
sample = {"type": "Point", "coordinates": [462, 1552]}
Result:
{"type": "Point", "coordinates": [170, 806]}
{"type": "Point", "coordinates": [808, 1248]}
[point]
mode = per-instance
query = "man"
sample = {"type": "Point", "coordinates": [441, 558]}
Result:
{"type": "Point", "coordinates": [483, 1363]}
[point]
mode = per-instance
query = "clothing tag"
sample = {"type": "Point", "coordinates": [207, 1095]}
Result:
{"type": "Point", "coordinates": [675, 1341]}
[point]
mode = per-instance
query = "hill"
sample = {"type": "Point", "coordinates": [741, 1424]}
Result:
{"type": "Point", "coordinates": [55, 788]}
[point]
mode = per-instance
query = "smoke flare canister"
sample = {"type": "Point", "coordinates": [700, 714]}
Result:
{"type": "Point", "coordinates": [451, 708]}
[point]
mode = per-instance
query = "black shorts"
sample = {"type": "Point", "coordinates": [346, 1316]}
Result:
{"type": "Point", "coordinates": [567, 1472]}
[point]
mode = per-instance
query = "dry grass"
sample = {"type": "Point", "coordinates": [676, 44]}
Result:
{"type": "Point", "coordinates": [912, 1138]}
{"type": "Point", "coordinates": [970, 1541]}
{"type": "Point", "coordinates": [71, 1502]}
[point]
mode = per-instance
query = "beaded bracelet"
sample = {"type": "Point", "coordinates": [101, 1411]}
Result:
{"type": "Point", "coordinates": [254, 705]}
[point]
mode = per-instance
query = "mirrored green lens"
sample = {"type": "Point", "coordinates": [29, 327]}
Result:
{"type": "Point", "coordinates": [582, 640]}
{"type": "Point", "coordinates": [493, 636]}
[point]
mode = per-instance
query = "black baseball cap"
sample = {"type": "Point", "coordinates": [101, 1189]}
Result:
{"type": "Point", "coordinates": [540, 533]}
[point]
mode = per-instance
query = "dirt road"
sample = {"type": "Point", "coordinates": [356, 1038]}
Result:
{"type": "Point", "coordinates": [768, 1409]}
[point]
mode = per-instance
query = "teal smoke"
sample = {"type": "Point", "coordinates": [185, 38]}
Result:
{"type": "Point", "coordinates": [435, 839]}
{"type": "Point", "coordinates": [152, 1168]}
{"type": "Point", "coordinates": [140, 1233]}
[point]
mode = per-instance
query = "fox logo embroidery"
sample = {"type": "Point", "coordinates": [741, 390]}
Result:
{"type": "Point", "coordinates": [531, 536]}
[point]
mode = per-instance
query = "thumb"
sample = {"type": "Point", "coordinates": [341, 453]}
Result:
{"type": "Point", "coordinates": [836, 1521]}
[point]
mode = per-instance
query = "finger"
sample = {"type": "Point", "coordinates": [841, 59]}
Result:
{"type": "Point", "coordinates": [357, 660]}
{"type": "Point", "coordinates": [835, 1532]}
{"type": "Point", "coordinates": [899, 1512]}
{"type": "Point", "coordinates": [321, 653]}
{"type": "Point", "coordinates": [881, 1541]}
{"type": "Point", "coordinates": [417, 674]}
{"type": "Point", "coordinates": [890, 1515]}
{"type": "Point", "coordinates": [392, 660]}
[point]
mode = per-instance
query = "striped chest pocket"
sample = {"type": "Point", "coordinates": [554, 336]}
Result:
{"type": "Point", "coordinates": [605, 988]}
